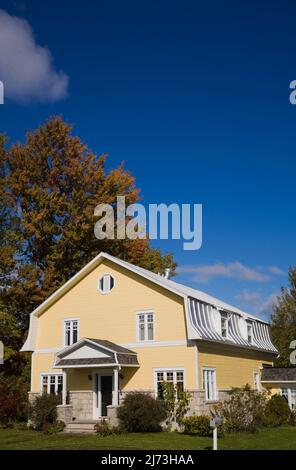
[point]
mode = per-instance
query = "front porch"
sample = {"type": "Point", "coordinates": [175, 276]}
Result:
{"type": "Point", "coordinates": [92, 371]}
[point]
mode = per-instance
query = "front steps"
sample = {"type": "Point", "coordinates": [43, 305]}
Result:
{"type": "Point", "coordinates": [81, 427]}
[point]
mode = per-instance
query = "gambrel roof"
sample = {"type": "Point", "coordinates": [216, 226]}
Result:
{"type": "Point", "coordinates": [202, 310]}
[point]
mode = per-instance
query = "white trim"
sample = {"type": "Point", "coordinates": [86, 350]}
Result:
{"type": "Point", "coordinates": [51, 374]}
{"type": "Point", "coordinates": [97, 397]}
{"type": "Point", "coordinates": [196, 366]}
{"type": "Point", "coordinates": [225, 316]}
{"type": "Point", "coordinates": [256, 372]}
{"type": "Point", "coordinates": [145, 313]}
{"type": "Point", "coordinates": [278, 381]}
{"type": "Point", "coordinates": [91, 366]}
{"type": "Point", "coordinates": [210, 369]}
{"type": "Point", "coordinates": [99, 280]}
{"type": "Point", "coordinates": [70, 319]}
{"type": "Point", "coordinates": [168, 369]}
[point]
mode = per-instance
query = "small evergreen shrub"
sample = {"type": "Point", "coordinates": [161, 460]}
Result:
{"type": "Point", "coordinates": [277, 412]}
{"type": "Point", "coordinates": [197, 425]}
{"type": "Point", "coordinates": [105, 429]}
{"type": "Point", "coordinates": [43, 410]}
{"type": "Point", "coordinates": [140, 412]}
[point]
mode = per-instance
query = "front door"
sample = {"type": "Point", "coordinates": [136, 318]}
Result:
{"type": "Point", "coordinates": [106, 393]}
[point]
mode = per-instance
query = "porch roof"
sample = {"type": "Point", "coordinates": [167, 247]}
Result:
{"type": "Point", "coordinates": [90, 352]}
{"type": "Point", "coordinates": [279, 374]}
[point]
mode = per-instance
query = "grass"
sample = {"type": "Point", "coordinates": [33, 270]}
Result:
{"type": "Point", "coordinates": [283, 438]}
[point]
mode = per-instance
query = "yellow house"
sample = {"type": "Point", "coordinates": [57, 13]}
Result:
{"type": "Point", "coordinates": [115, 328]}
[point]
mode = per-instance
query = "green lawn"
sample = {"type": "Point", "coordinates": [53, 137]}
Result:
{"type": "Point", "coordinates": [277, 438]}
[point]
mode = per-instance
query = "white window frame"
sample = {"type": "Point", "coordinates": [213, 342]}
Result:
{"type": "Point", "coordinates": [289, 389]}
{"type": "Point", "coordinates": [250, 324]}
{"type": "Point", "coordinates": [104, 292]}
{"type": "Point", "coordinates": [257, 387]}
{"type": "Point", "coordinates": [225, 317]}
{"type": "Point", "coordinates": [164, 370]}
{"type": "Point", "coordinates": [49, 375]}
{"type": "Point", "coordinates": [71, 320]}
{"type": "Point", "coordinates": [204, 385]}
{"type": "Point", "coordinates": [145, 313]}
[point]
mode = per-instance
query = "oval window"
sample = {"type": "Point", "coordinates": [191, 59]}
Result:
{"type": "Point", "coordinates": [106, 283]}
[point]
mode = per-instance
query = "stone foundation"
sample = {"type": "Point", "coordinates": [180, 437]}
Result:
{"type": "Point", "coordinates": [65, 413]}
{"type": "Point", "coordinates": [112, 415]}
{"type": "Point", "coordinates": [82, 405]}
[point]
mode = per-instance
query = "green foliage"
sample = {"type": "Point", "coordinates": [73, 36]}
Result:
{"type": "Point", "coordinates": [197, 426]}
{"type": "Point", "coordinates": [49, 188]}
{"type": "Point", "coordinates": [176, 409]}
{"type": "Point", "coordinates": [277, 412]}
{"type": "Point", "coordinates": [43, 411]}
{"type": "Point", "coordinates": [140, 412]}
{"type": "Point", "coordinates": [244, 410]}
{"type": "Point", "coordinates": [283, 320]}
{"type": "Point", "coordinates": [13, 399]}
{"type": "Point", "coordinates": [104, 428]}
{"type": "Point", "coordinates": [292, 418]}
{"type": "Point", "coordinates": [53, 428]}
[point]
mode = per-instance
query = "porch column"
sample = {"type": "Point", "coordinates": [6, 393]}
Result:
{"type": "Point", "coordinates": [64, 392]}
{"type": "Point", "coordinates": [115, 398]}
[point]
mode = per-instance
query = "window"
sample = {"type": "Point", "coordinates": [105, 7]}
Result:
{"type": "Point", "coordinates": [250, 331]}
{"type": "Point", "coordinates": [257, 381]}
{"type": "Point", "coordinates": [224, 325]}
{"type": "Point", "coordinates": [209, 384]}
{"type": "Point", "coordinates": [145, 326]}
{"type": "Point", "coordinates": [174, 377]}
{"type": "Point", "coordinates": [70, 332]}
{"type": "Point", "coordinates": [52, 384]}
{"type": "Point", "coordinates": [106, 283]}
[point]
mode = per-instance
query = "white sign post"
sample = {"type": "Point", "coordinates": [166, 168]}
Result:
{"type": "Point", "coordinates": [214, 423]}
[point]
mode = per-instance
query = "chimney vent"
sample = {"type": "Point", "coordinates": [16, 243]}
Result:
{"type": "Point", "coordinates": [167, 273]}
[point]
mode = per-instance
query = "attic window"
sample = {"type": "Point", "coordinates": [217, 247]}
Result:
{"type": "Point", "coordinates": [224, 325]}
{"type": "Point", "coordinates": [106, 283]}
{"type": "Point", "coordinates": [250, 331]}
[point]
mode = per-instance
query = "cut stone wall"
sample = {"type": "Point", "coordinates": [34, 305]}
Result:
{"type": "Point", "coordinates": [112, 415]}
{"type": "Point", "coordinates": [82, 405]}
{"type": "Point", "coordinates": [65, 413]}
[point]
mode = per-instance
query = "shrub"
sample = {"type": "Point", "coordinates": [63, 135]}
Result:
{"type": "Point", "coordinates": [141, 412]}
{"type": "Point", "coordinates": [175, 409]}
{"type": "Point", "coordinates": [43, 410]}
{"type": "Point", "coordinates": [277, 412]}
{"type": "Point", "coordinates": [292, 418]}
{"type": "Point", "coordinates": [197, 425]}
{"type": "Point", "coordinates": [105, 429]}
{"type": "Point", "coordinates": [244, 411]}
{"type": "Point", "coordinates": [53, 428]}
{"type": "Point", "coordinates": [13, 400]}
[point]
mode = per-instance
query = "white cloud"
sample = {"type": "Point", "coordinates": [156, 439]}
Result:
{"type": "Point", "coordinates": [263, 307]}
{"type": "Point", "coordinates": [27, 69]}
{"type": "Point", "coordinates": [266, 308]}
{"type": "Point", "coordinates": [234, 270]}
{"type": "Point", "coordinates": [277, 271]}
{"type": "Point", "coordinates": [250, 298]}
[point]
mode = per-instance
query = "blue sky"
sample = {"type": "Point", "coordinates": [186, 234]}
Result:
{"type": "Point", "coordinates": [194, 97]}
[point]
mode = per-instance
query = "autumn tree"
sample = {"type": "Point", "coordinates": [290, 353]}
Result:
{"type": "Point", "coordinates": [50, 186]}
{"type": "Point", "coordinates": [283, 320]}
